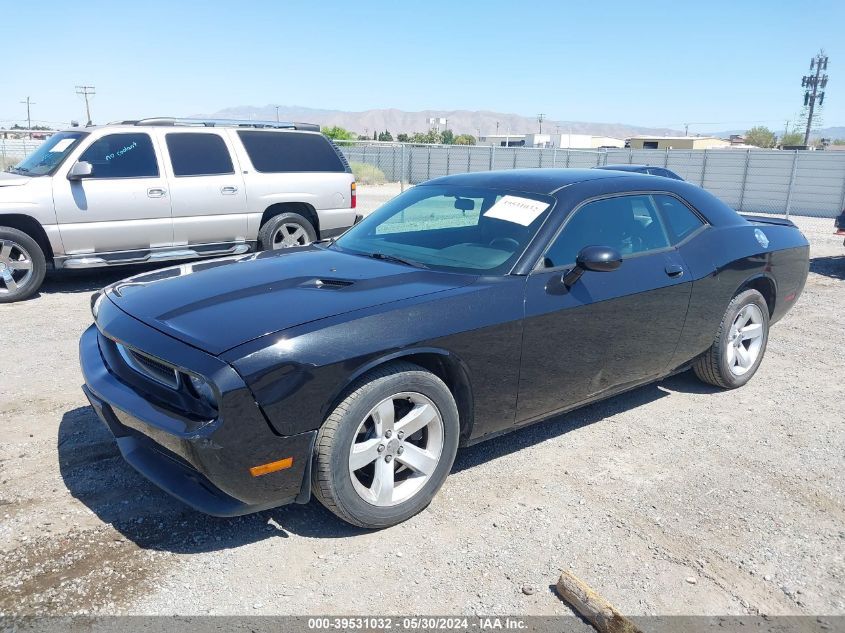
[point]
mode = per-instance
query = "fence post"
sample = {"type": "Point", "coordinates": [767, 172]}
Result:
{"type": "Point", "coordinates": [791, 183]}
{"type": "Point", "coordinates": [492, 150]}
{"type": "Point", "coordinates": [514, 150]}
{"type": "Point", "coordinates": [447, 159]}
{"type": "Point", "coordinates": [703, 169]}
{"type": "Point", "coordinates": [402, 170]}
{"type": "Point", "coordinates": [568, 152]}
{"type": "Point", "coordinates": [666, 159]}
{"type": "Point", "coordinates": [630, 155]}
{"type": "Point", "coordinates": [744, 179]}
{"type": "Point", "coordinates": [469, 158]}
{"type": "Point", "coordinates": [554, 157]}
{"type": "Point", "coordinates": [410, 162]}
{"type": "Point", "coordinates": [428, 165]}
{"type": "Point", "coordinates": [598, 158]}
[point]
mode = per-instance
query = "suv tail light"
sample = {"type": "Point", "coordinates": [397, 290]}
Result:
{"type": "Point", "coordinates": [354, 195]}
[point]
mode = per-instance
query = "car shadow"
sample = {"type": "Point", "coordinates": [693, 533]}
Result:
{"type": "Point", "coordinates": [831, 266]}
{"type": "Point", "coordinates": [95, 473]}
{"type": "Point", "coordinates": [90, 280]}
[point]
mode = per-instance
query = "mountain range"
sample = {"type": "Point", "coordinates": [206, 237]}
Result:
{"type": "Point", "coordinates": [475, 122]}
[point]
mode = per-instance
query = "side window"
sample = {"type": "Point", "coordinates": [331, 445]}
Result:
{"type": "Point", "coordinates": [196, 154]}
{"type": "Point", "coordinates": [680, 220]}
{"type": "Point", "coordinates": [274, 152]}
{"type": "Point", "coordinates": [122, 156]}
{"type": "Point", "coordinates": [630, 224]}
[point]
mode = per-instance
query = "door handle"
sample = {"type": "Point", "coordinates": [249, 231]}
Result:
{"type": "Point", "coordinates": [156, 192]}
{"type": "Point", "coordinates": [228, 191]}
{"type": "Point", "coordinates": [674, 270]}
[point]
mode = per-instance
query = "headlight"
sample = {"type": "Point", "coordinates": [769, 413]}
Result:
{"type": "Point", "coordinates": [203, 389]}
{"type": "Point", "coordinates": [96, 300]}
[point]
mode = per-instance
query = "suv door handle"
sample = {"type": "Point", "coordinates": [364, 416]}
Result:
{"type": "Point", "coordinates": [156, 192]}
{"type": "Point", "coordinates": [674, 270]}
{"type": "Point", "coordinates": [228, 191]}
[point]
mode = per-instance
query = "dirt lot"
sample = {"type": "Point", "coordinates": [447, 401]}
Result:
{"type": "Point", "coordinates": [672, 499]}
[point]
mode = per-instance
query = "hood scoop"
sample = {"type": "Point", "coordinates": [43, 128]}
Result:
{"type": "Point", "coordinates": [328, 284]}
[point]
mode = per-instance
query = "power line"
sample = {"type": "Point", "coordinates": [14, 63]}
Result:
{"type": "Point", "coordinates": [811, 83]}
{"type": "Point", "coordinates": [85, 92]}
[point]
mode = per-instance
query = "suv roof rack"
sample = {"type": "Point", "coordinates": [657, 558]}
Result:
{"type": "Point", "coordinates": [283, 125]}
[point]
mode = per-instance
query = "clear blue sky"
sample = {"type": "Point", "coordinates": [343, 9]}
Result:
{"type": "Point", "coordinates": [649, 63]}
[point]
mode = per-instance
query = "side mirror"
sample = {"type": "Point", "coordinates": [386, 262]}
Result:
{"type": "Point", "coordinates": [81, 169]}
{"type": "Point", "coordinates": [600, 259]}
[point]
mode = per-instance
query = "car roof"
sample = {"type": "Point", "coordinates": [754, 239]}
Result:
{"type": "Point", "coordinates": [537, 180]}
{"type": "Point", "coordinates": [627, 167]}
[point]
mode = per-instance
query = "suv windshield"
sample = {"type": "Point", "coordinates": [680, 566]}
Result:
{"type": "Point", "coordinates": [450, 228]}
{"type": "Point", "coordinates": [49, 154]}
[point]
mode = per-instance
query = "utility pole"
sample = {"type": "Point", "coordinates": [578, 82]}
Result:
{"type": "Point", "coordinates": [811, 84]}
{"type": "Point", "coordinates": [86, 92]}
{"type": "Point", "coordinates": [497, 128]}
{"type": "Point", "coordinates": [277, 113]}
{"type": "Point", "coordinates": [28, 117]}
{"type": "Point", "coordinates": [686, 129]}
{"type": "Point", "coordinates": [540, 118]}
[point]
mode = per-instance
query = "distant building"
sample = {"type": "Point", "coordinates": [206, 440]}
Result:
{"type": "Point", "coordinates": [574, 141]}
{"type": "Point", "coordinates": [677, 142]}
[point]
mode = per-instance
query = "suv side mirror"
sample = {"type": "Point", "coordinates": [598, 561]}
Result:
{"type": "Point", "coordinates": [81, 169]}
{"type": "Point", "coordinates": [600, 259]}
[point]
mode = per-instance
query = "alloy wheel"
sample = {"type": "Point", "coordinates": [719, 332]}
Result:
{"type": "Point", "coordinates": [396, 449]}
{"type": "Point", "coordinates": [16, 269]}
{"type": "Point", "coordinates": [745, 340]}
{"type": "Point", "coordinates": [289, 234]}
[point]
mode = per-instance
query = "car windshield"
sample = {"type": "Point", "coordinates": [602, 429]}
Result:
{"type": "Point", "coordinates": [451, 228]}
{"type": "Point", "coordinates": [49, 154]}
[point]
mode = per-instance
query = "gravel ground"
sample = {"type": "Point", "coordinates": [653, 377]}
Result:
{"type": "Point", "coordinates": [672, 499]}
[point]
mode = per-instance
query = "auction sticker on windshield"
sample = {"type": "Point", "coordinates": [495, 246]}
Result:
{"type": "Point", "coordinates": [515, 209]}
{"type": "Point", "coordinates": [62, 145]}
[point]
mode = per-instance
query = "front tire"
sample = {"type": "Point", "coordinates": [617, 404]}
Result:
{"type": "Point", "coordinates": [286, 230]}
{"type": "Point", "coordinates": [738, 350]}
{"type": "Point", "coordinates": [387, 448]}
{"type": "Point", "coordinates": [22, 265]}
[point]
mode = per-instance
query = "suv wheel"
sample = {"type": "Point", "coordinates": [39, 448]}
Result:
{"type": "Point", "coordinates": [286, 230]}
{"type": "Point", "coordinates": [22, 265]}
{"type": "Point", "coordinates": [386, 449]}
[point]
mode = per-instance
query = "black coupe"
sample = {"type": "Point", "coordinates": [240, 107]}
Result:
{"type": "Point", "coordinates": [464, 308]}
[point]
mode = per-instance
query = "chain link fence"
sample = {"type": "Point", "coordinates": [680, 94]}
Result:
{"type": "Point", "coordinates": [810, 183]}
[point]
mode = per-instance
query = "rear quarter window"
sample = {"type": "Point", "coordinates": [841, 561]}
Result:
{"type": "Point", "coordinates": [276, 152]}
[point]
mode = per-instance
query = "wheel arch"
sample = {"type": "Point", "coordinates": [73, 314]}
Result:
{"type": "Point", "coordinates": [442, 363]}
{"type": "Point", "coordinates": [765, 285]}
{"type": "Point", "coordinates": [31, 227]}
{"type": "Point", "coordinates": [302, 208]}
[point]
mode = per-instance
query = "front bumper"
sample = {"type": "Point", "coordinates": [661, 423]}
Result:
{"type": "Point", "coordinates": [207, 465]}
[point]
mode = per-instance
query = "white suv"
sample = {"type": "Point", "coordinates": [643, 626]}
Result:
{"type": "Point", "coordinates": [168, 189]}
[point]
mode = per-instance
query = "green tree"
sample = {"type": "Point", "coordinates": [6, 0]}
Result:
{"type": "Point", "coordinates": [839, 141]}
{"type": "Point", "coordinates": [793, 138]}
{"type": "Point", "coordinates": [338, 133]}
{"type": "Point", "coordinates": [403, 138]}
{"type": "Point", "coordinates": [760, 136]}
{"type": "Point", "coordinates": [447, 137]}
{"type": "Point", "coordinates": [385, 136]}
{"type": "Point", "coordinates": [362, 137]}
{"type": "Point", "coordinates": [465, 139]}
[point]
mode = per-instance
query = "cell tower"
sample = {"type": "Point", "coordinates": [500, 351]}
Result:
{"type": "Point", "coordinates": [814, 85]}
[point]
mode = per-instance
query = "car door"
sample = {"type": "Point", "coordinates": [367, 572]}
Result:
{"type": "Point", "coordinates": [123, 205]}
{"type": "Point", "coordinates": [207, 194]}
{"type": "Point", "coordinates": [608, 330]}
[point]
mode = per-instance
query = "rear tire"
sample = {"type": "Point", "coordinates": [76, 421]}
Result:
{"type": "Point", "coordinates": [386, 449]}
{"type": "Point", "coordinates": [286, 230]}
{"type": "Point", "coordinates": [740, 344]}
{"type": "Point", "coordinates": [22, 265]}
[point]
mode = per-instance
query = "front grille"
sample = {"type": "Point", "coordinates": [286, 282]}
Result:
{"type": "Point", "coordinates": [149, 366]}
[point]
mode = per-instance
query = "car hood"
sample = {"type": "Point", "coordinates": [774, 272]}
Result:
{"type": "Point", "coordinates": [8, 179]}
{"type": "Point", "coordinates": [220, 304]}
